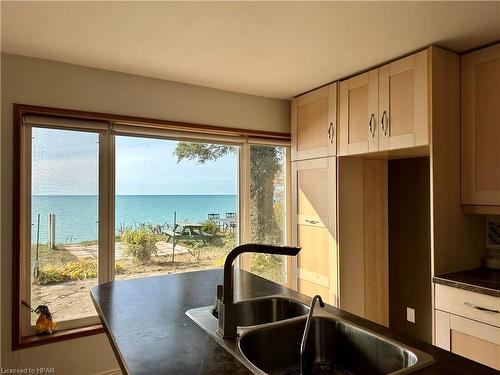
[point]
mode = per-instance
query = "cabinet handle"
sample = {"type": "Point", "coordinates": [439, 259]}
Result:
{"type": "Point", "coordinates": [312, 221]}
{"type": "Point", "coordinates": [384, 125]}
{"type": "Point", "coordinates": [468, 304]}
{"type": "Point", "coordinates": [331, 132]}
{"type": "Point", "coordinates": [371, 128]}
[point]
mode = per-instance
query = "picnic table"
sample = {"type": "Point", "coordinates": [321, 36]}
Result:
{"type": "Point", "coordinates": [185, 230]}
{"type": "Point", "coordinates": [229, 223]}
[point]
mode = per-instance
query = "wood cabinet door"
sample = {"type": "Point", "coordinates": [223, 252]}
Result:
{"type": "Point", "coordinates": [314, 227]}
{"type": "Point", "coordinates": [403, 113]}
{"type": "Point", "coordinates": [358, 114]}
{"type": "Point", "coordinates": [314, 124]}
{"type": "Point", "coordinates": [473, 340]}
{"type": "Point", "coordinates": [481, 127]}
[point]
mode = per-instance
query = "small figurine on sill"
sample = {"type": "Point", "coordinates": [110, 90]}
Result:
{"type": "Point", "coordinates": [44, 324]}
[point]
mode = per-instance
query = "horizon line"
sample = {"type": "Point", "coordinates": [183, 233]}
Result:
{"type": "Point", "coordinates": [129, 195]}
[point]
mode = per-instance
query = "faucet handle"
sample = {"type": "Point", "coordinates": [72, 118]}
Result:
{"type": "Point", "coordinates": [220, 291]}
{"type": "Point", "coordinates": [320, 300]}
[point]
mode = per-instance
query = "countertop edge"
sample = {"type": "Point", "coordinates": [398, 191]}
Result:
{"type": "Point", "coordinates": [443, 280]}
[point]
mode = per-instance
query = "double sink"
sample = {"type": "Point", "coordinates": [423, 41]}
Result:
{"type": "Point", "coordinates": [270, 332]}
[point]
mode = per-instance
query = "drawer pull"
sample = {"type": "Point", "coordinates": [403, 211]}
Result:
{"type": "Point", "coordinates": [312, 221]}
{"type": "Point", "coordinates": [331, 132]}
{"type": "Point", "coordinates": [384, 125]}
{"type": "Point", "coordinates": [468, 304]}
{"type": "Point", "coordinates": [371, 126]}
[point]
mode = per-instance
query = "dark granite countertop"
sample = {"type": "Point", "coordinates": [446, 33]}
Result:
{"type": "Point", "coordinates": [479, 280]}
{"type": "Point", "coordinates": [150, 334]}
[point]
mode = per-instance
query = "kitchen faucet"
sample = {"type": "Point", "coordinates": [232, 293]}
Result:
{"type": "Point", "coordinates": [226, 309]}
{"type": "Point", "coordinates": [306, 331]}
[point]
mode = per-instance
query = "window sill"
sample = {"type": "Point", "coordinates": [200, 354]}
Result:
{"type": "Point", "coordinates": [68, 334]}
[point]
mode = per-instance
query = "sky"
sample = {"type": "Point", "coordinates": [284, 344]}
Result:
{"type": "Point", "coordinates": [148, 167]}
{"type": "Point", "coordinates": [66, 163]}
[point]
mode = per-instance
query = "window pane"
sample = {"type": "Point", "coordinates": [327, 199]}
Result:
{"type": "Point", "coordinates": [159, 181]}
{"type": "Point", "coordinates": [267, 209]}
{"type": "Point", "coordinates": [64, 231]}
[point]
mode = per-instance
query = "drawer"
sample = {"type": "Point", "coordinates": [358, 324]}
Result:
{"type": "Point", "coordinates": [467, 304]}
{"type": "Point", "coordinates": [468, 338]}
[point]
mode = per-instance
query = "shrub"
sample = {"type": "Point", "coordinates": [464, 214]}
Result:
{"type": "Point", "coordinates": [51, 275]}
{"type": "Point", "coordinates": [229, 244]}
{"type": "Point", "coordinates": [80, 269]}
{"type": "Point", "coordinates": [119, 267]}
{"type": "Point", "coordinates": [140, 243]}
{"type": "Point", "coordinates": [208, 226]}
{"type": "Point", "coordinates": [268, 266]}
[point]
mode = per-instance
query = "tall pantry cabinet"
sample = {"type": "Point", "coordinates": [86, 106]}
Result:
{"type": "Point", "coordinates": [314, 207]}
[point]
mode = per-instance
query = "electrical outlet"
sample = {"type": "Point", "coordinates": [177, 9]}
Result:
{"type": "Point", "coordinates": [410, 315]}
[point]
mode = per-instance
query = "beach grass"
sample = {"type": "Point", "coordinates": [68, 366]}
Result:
{"type": "Point", "coordinates": [51, 257]}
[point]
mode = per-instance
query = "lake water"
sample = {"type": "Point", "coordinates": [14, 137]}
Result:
{"type": "Point", "coordinates": [76, 215]}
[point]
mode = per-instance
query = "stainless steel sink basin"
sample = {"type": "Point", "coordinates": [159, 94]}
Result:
{"type": "Point", "coordinates": [266, 310]}
{"type": "Point", "coordinates": [333, 347]}
{"type": "Point", "coordinates": [270, 331]}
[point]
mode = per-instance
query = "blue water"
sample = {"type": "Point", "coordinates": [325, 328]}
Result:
{"type": "Point", "coordinates": [77, 215]}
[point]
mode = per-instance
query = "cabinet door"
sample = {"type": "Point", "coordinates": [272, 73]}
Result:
{"type": "Point", "coordinates": [314, 226]}
{"type": "Point", "coordinates": [358, 114]}
{"type": "Point", "coordinates": [473, 340]}
{"type": "Point", "coordinates": [481, 127]}
{"type": "Point", "coordinates": [403, 116]}
{"type": "Point", "coordinates": [314, 123]}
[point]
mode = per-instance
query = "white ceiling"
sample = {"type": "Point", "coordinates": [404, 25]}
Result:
{"type": "Point", "coordinates": [275, 49]}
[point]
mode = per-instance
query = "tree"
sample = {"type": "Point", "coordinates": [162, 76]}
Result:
{"type": "Point", "coordinates": [264, 169]}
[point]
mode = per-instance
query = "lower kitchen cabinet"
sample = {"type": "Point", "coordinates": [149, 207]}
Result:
{"type": "Point", "coordinates": [468, 338]}
{"type": "Point", "coordinates": [467, 334]}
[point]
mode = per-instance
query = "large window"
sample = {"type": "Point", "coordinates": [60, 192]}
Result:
{"type": "Point", "coordinates": [174, 210]}
{"type": "Point", "coordinates": [101, 200]}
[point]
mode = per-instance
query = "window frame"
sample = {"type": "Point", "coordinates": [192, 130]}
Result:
{"type": "Point", "coordinates": [22, 335]}
{"type": "Point", "coordinates": [27, 329]}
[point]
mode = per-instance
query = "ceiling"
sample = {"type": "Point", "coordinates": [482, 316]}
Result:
{"type": "Point", "coordinates": [275, 49]}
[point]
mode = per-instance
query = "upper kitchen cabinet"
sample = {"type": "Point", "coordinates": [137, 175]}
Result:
{"type": "Point", "coordinates": [480, 131]}
{"type": "Point", "coordinates": [358, 112]}
{"type": "Point", "coordinates": [403, 115]}
{"type": "Point", "coordinates": [314, 120]}
{"type": "Point", "coordinates": [386, 108]}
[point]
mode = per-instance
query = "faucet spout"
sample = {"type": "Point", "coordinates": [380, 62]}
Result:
{"type": "Point", "coordinates": [225, 306]}
{"type": "Point", "coordinates": [317, 297]}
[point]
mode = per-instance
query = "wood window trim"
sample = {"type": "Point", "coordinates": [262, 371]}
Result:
{"type": "Point", "coordinates": [22, 109]}
{"type": "Point", "coordinates": [19, 110]}
{"type": "Point", "coordinates": [68, 334]}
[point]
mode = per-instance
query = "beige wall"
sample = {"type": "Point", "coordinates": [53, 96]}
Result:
{"type": "Point", "coordinates": [41, 82]}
